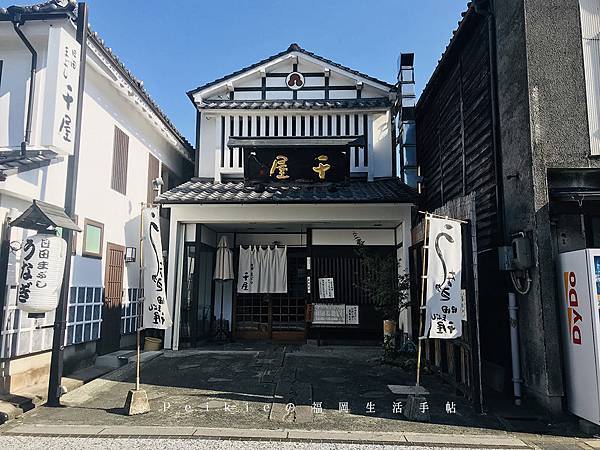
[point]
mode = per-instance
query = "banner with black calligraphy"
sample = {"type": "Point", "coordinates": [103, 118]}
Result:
{"type": "Point", "coordinates": [156, 312]}
{"type": "Point", "coordinates": [444, 264]}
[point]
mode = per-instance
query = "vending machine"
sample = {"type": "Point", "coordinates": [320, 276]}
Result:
{"type": "Point", "coordinates": [579, 283]}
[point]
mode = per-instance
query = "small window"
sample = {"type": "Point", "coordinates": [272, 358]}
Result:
{"type": "Point", "coordinates": [93, 233]}
{"type": "Point", "coordinates": [119, 165]}
{"type": "Point", "coordinates": [153, 174]}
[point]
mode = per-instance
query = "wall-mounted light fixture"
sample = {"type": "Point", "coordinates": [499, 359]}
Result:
{"type": "Point", "coordinates": [130, 253]}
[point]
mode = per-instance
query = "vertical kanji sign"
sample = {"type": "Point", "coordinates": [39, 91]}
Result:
{"type": "Point", "coordinates": [62, 83]}
{"type": "Point", "coordinates": [444, 263]}
{"type": "Point", "coordinates": [156, 313]}
{"type": "Point", "coordinates": [42, 266]}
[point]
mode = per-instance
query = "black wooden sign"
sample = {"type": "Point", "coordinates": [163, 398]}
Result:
{"type": "Point", "coordinates": [297, 164]}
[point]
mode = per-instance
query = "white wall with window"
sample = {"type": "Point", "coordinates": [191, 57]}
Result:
{"type": "Point", "coordinates": [119, 119]}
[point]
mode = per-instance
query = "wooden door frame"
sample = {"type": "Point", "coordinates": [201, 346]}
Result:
{"type": "Point", "coordinates": [110, 246]}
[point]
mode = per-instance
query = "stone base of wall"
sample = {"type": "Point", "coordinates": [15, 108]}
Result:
{"type": "Point", "coordinates": [21, 373]}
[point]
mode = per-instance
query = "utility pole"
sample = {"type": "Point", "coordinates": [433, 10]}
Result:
{"type": "Point", "coordinates": [58, 340]}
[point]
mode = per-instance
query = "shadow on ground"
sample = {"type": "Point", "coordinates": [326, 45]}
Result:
{"type": "Point", "coordinates": [251, 385]}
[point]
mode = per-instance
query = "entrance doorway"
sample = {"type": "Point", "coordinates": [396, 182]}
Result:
{"type": "Point", "coordinates": [110, 334]}
{"type": "Point", "coordinates": [280, 317]}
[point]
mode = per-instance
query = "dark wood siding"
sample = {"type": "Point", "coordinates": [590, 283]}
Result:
{"type": "Point", "coordinates": [153, 173]}
{"type": "Point", "coordinates": [454, 131]}
{"type": "Point", "coordinates": [119, 165]}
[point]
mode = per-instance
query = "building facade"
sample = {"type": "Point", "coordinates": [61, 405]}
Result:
{"type": "Point", "coordinates": [126, 143]}
{"type": "Point", "coordinates": [295, 151]}
{"type": "Point", "coordinates": [508, 124]}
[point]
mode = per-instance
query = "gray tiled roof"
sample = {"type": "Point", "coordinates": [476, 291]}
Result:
{"type": "Point", "coordinates": [387, 190]}
{"type": "Point", "coordinates": [361, 103]}
{"type": "Point", "coordinates": [292, 48]}
{"type": "Point", "coordinates": [13, 162]}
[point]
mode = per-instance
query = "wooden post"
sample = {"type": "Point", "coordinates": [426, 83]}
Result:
{"type": "Point", "coordinates": [422, 302]}
{"type": "Point", "coordinates": [140, 309]}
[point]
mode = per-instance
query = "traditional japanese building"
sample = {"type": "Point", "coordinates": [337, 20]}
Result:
{"type": "Point", "coordinates": [126, 143]}
{"type": "Point", "coordinates": [295, 152]}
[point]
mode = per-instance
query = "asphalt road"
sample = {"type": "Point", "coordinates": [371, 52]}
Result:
{"type": "Point", "coordinates": [60, 443]}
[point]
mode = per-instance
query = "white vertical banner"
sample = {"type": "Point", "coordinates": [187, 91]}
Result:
{"type": "Point", "coordinates": [62, 83]}
{"type": "Point", "coordinates": [156, 311]}
{"type": "Point", "coordinates": [444, 263]}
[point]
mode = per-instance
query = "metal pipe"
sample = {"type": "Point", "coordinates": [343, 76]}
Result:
{"type": "Point", "coordinates": [514, 346]}
{"type": "Point", "coordinates": [17, 22]}
{"type": "Point", "coordinates": [60, 320]}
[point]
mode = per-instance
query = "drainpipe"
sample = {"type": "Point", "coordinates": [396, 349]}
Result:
{"type": "Point", "coordinates": [17, 21]}
{"type": "Point", "coordinates": [514, 346]}
{"type": "Point", "coordinates": [60, 321]}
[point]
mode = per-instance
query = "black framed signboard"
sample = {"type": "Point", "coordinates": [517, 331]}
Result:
{"type": "Point", "coordinates": [313, 164]}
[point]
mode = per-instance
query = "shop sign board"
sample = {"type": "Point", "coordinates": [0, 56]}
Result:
{"type": "Point", "coordinates": [289, 164]}
{"type": "Point", "coordinates": [62, 83]}
{"type": "Point", "coordinates": [327, 314]}
{"type": "Point", "coordinates": [326, 289]}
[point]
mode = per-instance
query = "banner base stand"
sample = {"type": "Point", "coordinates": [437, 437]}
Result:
{"type": "Point", "coordinates": [417, 409]}
{"type": "Point", "coordinates": [137, 402]}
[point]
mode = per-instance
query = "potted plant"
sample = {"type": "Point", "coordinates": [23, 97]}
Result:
{"type": "Point", "coordinates": [388, 288]}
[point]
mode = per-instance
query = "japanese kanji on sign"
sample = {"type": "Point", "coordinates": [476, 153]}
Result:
{"type": "Point", "coordinates": [62, 82]}
{"type": "Point", "coordinates": [41, 273]}
{"type": "Point", "coordinates": [156, 313]}
{"type": "Point", "coordinates": [444, 263]}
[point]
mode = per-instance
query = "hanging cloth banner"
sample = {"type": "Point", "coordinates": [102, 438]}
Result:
{"type": "Point", "coordinates": [262, 270]}
{"type": "Point", "coordinates": [272, 270]}
{"type": "Point", "coordinates": [444, 264]}
{"type": "Point", "coordinates": [156, 311]}
{"type": "Point", "coordinates": [248, 271]}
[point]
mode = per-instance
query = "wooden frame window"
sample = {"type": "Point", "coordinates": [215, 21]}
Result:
{"type": "Point", "coordinates": [93, 239]}
{"type": "Point", "coordinates": [120, 158]}
{"type": "Point", "coordinates": [153, 173]}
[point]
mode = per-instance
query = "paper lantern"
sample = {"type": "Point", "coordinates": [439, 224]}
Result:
{"type": "Point", "coordinates": [42, 268]}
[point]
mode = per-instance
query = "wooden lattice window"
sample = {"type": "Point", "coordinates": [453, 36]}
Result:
{"type": "Point", "coordinates": [119, 164]}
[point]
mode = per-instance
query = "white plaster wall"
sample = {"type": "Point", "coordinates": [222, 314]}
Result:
{"type": "Point", "coordinates": [346, 236]}
{"type": "Point", "coordinates": [103, 107]}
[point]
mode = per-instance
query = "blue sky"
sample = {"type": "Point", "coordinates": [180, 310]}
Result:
{"type": "Point", "coordinates": [177, 45]}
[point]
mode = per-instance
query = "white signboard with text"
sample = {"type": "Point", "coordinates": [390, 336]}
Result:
{"type": "Point", "coordinates": [62, 83]}
{"type": "Point", "coordinates": [326, 288]}
{"type": "Point", "coordinates": [444, 264]}
{"type": "Point", "coordinates": [326, 314]}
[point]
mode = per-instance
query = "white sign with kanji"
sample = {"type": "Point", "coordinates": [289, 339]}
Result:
{"type": "Point", "coordinates": [156, 312]}
{"type": "Point", "coordinates": [444, 264]}
{"type": "Point", "coordinates": [62, 83]}
{"type": "Point", "coordinates": [326, 288]}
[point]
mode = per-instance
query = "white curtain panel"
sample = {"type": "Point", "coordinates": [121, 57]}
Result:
{"type": "Point", "coordinates": [224, 261]}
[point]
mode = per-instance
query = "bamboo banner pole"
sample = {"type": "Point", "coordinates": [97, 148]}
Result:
{"type": "Point", "coordinates": [423, 288]}
{"type": "Point", "coordinates": [140, 290]}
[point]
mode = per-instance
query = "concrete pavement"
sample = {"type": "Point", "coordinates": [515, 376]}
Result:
{"type": "Point", "coordinates": [243, 391]}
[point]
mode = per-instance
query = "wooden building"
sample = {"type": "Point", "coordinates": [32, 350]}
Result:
{"type": "Point", "coordinates": [263, 133]}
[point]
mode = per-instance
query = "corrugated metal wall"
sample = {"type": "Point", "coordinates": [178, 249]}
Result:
{"type": "Point", "coordinates": [454, 132]}
{"type": "Point", "coordinates": [590, 31]}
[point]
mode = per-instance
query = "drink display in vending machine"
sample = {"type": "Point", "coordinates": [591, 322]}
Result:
{"type": "Point", "coordinates": [579, 283]}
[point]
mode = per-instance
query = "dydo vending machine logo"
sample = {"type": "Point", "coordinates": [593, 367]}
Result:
{"type": "Point", "coordinates": [573, 316]}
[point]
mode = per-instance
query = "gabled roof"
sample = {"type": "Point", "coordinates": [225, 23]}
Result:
{"type": "Point", "coordinates": [41, 215]}
{"type": "Point", "coordinates": [457, 35]}
{"type": "Point", "coordinates": [386, 190]}
{"type": "Point", "coordinates": [13, 162]}
{"type": "Point", "coordinates": [292, 48]}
